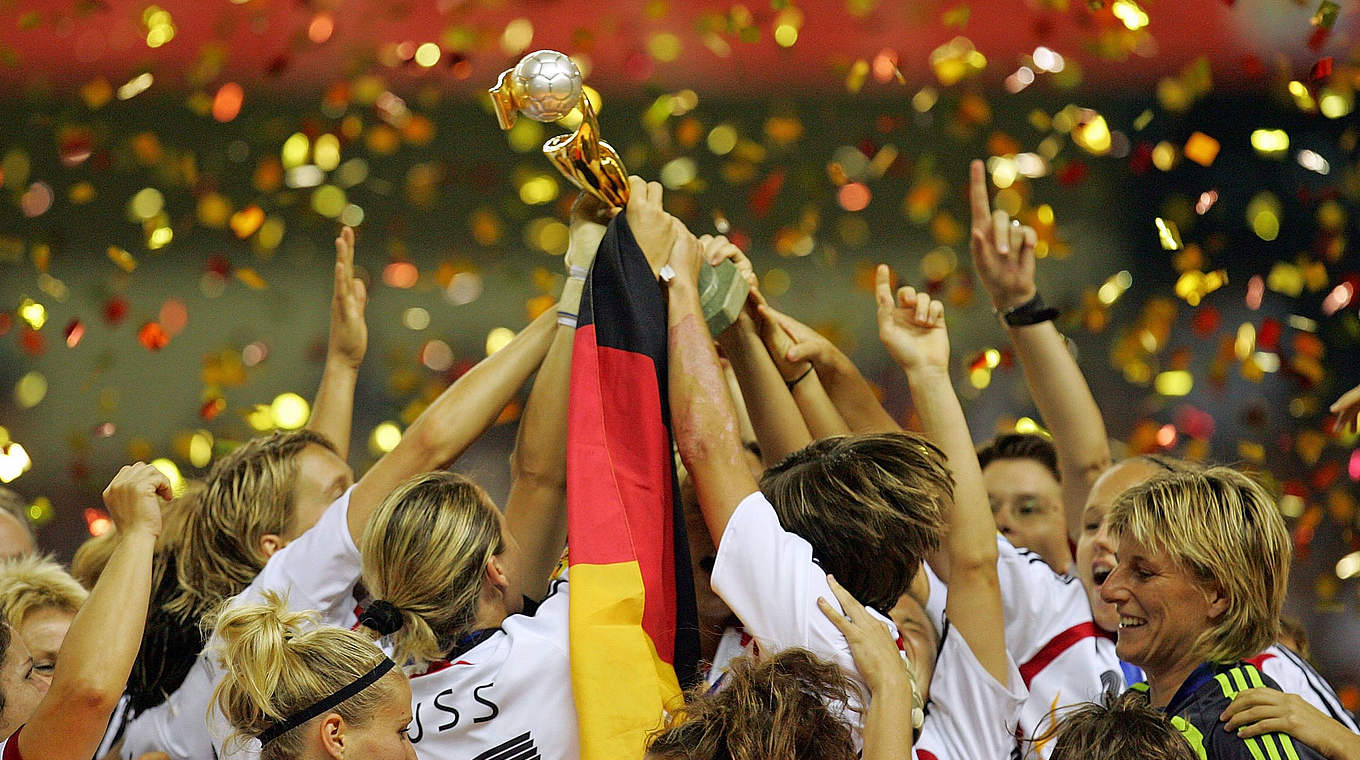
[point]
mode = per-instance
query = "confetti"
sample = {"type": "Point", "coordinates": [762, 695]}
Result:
{"type": "Point", "coordinates": [1201, 148]}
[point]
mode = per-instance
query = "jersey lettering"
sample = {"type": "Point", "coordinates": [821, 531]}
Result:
{"type": "Point", "coordinates": [446, 708]}
{"type": "Point", "coordinates": [495, 710]}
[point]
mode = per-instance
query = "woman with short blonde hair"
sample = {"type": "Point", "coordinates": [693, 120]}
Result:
{"type": "Point", "coordinates": [1203, 569]}
{"type": "Point", "coordinates": [39, 600]}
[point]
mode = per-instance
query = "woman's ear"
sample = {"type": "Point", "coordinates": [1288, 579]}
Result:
{"type": "Point", "coordinates": [495, 573]}
{"type": "Point", "coordinates": [1218, 602]}
{"type": "Point", "coordinates": [270, 543]}
{"type": "Point", "coordinates": [332, 730]}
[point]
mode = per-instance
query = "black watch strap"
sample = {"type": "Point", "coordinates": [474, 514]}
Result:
{"type": "Point", "coordinates": [1031, 312]}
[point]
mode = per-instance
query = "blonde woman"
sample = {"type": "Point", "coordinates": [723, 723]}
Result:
{"type": "Point", "coordinates": [1203, 569]}
{"type": "Point", "coordinates": [306, 691]}
{"type": "Point", "coordinates": [288, 509]}
{"type": "Point", "coordinates": [39, 599]}
{"type": "Point", "coordinates": [65, 721]}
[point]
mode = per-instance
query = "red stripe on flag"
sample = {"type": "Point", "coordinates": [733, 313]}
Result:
{"type": "Point", "coordinates": [619, 479]}
{"type": "Point", "coordinates": [1059, 644]}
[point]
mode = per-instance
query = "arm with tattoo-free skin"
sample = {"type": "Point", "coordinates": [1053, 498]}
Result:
{"type": "Point", "coordinates": [819, 412]}
{"type": "Point", "coordinates": [707, 433]}
{"type": "Point", "coordinates": [911, 326]}
{"type": "Point", "coordinates": [854, 399]}
{"type": "Point", "coordinates": [97, 653]}
{"type": "Point", "coordinates": [535, 509]}
{"type": "Point", "coordinates": [1003, 255]}
{"type": "Point", "coordinates": [456, 419]}
{"type": "Point", "coordinates": [333, 409]}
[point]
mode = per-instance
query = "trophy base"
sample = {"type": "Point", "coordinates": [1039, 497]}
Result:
{"type": "Point", "coordinates": [722, 293]}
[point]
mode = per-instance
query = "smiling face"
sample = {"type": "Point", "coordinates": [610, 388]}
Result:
{"type": "Point", "coordinates": [1027, 506]}
{"type": "Point", "coordinates": [1163, 609]}
{"type": "Point", "coordinates": [22, 686]}
{"type": "Point", "coordinates": [1095, 549]}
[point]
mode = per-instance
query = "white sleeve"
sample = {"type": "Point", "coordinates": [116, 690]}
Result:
{"type": "Point", "coordinates": [1296, 676]}
{"type": "Point", "coordinates": [178, 726]}
{"type": "Point", "coordinates": [317, 570]}
{"type": "Point", "coordinates": [970, 714]}
{"type": "Point", "coordinates": [768, 578]}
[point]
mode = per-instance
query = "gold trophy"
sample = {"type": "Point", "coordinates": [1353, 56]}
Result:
{"type": "Point", "coordinates": [545, 86]}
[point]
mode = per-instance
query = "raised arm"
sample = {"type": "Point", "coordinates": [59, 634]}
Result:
{"type": "Point", "coordinates": [450, 424]}
{"type": "Point", "coordinates": [775, 416]}
{"type": "Point", "coordinates": [851, 394]}
{"type": "Point", "coordinates": [101, 644]}
{"type": "Point", "coordinates": [1003, 255]}
{"type": "Point", "coordinates": [704, 422]}
{"type": "Point", "coordinates": [333, 409]}
{"type": "Point", "coordinates": [535, 509]}
{"type": "Point", "coordinates": [911, 326]}
{"type": "Point", "coordinates": [819, 412]}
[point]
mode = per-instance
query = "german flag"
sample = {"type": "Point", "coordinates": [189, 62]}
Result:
{"type": "Point", "coordinates": [634, 638]}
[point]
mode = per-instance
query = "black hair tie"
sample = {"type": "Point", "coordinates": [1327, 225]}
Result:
{"type": "Point", "coordinates": [383, 617]}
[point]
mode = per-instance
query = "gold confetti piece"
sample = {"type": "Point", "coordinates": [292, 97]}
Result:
{"type": "Point", "coordinates": [1130, 14]}
{"type": "Point", "coordinates": [859, 72]}
{"type": "Point", "coordinates": [135, 86]}
{"type": "Point", "coordinates": [96, 93]}
{"type": "Point", "coordinates": [122, 258]}
{"type": "Point", "coordinates": [1091, 132]}
{"type": "Point", "coordinates": [246, 221]}
{"type": "Point", "coordinates": [1270, 143]}
{"type": "Point", "coordinates": [1168, 234]}
{"type": "Point", "coordinates": [251, 278]}
{"type": "Point", "coordinates": [1193, 286]}
{"type": "Point", "coordinates": [955, 60]}
{"type": "Point", "coordinates": [1201, 148]}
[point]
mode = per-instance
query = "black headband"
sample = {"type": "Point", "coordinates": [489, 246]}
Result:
{"type": "Point", "coordinates": [362, 682]}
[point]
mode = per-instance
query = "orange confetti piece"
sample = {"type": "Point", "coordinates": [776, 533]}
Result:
{"type": "Point", "coordinates": [152, 336]}
{"type": "Point", "coordinates": [251, 278]}
{"type": "Point", "coordinates": [227, 103]}
{"type": "Point", "coordinates": [1201, 148]}
{"type": "Point", "coordinates": [246, 221]}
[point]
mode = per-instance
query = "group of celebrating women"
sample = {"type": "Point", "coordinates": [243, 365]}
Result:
{"type": "Point", "coordinates": [862, 591]}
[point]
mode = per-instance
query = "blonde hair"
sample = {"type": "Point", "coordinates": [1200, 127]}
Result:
{"type": "Point", "coordinates": [278, 662]}
{"type": "Point", "coordinates": [33, 583]}
{"type": "Point", "coordinates": [1225, 530]}
{"type": "Point", "coordinates": [247, 495]}
{"type": "Point", "coordinates": [425, 552]}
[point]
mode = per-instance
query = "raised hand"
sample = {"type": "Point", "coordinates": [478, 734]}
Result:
{"type": "Point", "coordinates": [589, 217]}
{"type": "Point", "coordinates": [134, 498]}
{"type": "Point", "coordinates": [1346, 409]}
{"type": "Point", "coordinates": [655, 230]}
{"type": "Point", "coordinates": [1003, 250]}
{"type": "Point", "coordinates": [911, 325]}
{"type": "Point", "coordinates": [877, 657]}
{"type": "Point", "coordinates": [349, 333]}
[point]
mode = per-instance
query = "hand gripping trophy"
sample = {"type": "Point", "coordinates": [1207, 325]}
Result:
{"type": "Point", "coordinates": [545, 86]}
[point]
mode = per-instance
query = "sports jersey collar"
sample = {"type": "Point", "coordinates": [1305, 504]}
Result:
{"type": "Point", "coordinates": [1198, 677]}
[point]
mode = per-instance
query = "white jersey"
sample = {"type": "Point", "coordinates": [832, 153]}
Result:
{"type": "Point", "coordinates": [770, 581]}
{"type": "Point", "coordinates": [1296, 676]}
{"type": "Point", "coordinates": [970, 715]}
{"type": "Point", "coordinates": [317, 571]}
{"type": "Point", "coordinates": [507, 696]}
{"type": "Point", "coordinates": [1064, 658]}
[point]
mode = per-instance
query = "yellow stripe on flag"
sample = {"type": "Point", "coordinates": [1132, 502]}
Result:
{"type": "Point", "coordinates": [618, 680]}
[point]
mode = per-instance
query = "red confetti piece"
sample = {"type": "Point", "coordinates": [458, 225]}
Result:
{"type": "Point", "coordinates": [1253, 67]}
{"type": "Point", "coordinates": [1318, 38]}
{"type": "Point", "coordinates": [1321, 70]}
{"type": "Point", "coordinates": [1206, 321]}
{"type": "Point", "coordinates": [219, 265]}
{"type": "Point", "coordinates": [115, 310]}
{"type": "Point", "coordinates": [32, 342]}
{"type": "Point", "coordinates": [6, 322]}
{"type": "Point", "coordinates": [1353, 467]}
{"type": "Point", "coordinates": [1073, 174]}
{"type": "Point", "coordinates": [227, 103]}
{"type": "Point", "coordinates": [104, 430]}
{"type": "Point", "coordinates": [1324, 476]}
{"type": "Point", "coordinates": [1268, 337]}
{"type": "Point", "coordinates": [152, 336]}
{"type": "Point", "coordinates": [174, 316]}
{"type": "Point", "coordinates": [75, 330]}
{"type": "Point", "coordinates": [211, 408]}
{"type": "Point", "coordinates": [762, 197]}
